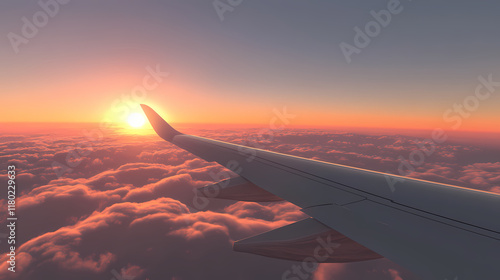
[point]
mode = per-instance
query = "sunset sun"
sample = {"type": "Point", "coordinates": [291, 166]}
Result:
{"type": "Point", "coordinates": [136, 120]}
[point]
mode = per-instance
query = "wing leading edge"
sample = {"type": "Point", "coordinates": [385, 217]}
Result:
{"type": "Point", "coordinates": [438, 231]}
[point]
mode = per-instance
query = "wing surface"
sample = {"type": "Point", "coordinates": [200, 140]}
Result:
{"type": "Point", "coordinates": [436, 230]}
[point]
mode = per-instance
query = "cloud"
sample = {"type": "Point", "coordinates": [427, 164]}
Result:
{"type": "Point", "coordinates": [127, 207]}
{"type": "Point", "coordinates": [130, 182]}
{"type": "Point", "coordinates": [280, 211]}
{"type": "Point", "coordinates": [158, 238]}
{"type": "Point", "coordinates": [495, 189]}
{"type": "Point", "coordinates": [395, 274]}
{"type": "Point", "coordinates": [327, 271]}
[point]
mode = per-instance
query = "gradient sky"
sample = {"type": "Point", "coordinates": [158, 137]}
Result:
{"type": "Point", "coordinates": [263, 55]}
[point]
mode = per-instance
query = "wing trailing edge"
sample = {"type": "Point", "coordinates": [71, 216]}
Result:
{"type": "Point", "coordinates": [305, 239]}
{"type": "Point", "coordinates": [237, 188]}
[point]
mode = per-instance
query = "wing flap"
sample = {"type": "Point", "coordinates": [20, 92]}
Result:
{"type": "Point", "coordinates": [305, 239]}
{"type": "Point", "coordinates": [237, 188]}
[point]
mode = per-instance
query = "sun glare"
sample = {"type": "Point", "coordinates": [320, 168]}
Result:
{"type": "Point", "coordinates": [136, 120]}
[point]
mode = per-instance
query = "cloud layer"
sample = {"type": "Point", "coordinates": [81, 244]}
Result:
{"type": "Point", "coordinates": [124, 205]}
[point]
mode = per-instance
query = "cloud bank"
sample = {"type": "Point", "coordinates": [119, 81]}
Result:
{"type": "Point", "coordinates": [125, 207]}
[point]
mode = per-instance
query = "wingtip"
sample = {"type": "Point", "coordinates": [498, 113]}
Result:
{"type": "Point", "coordinates": [161, 127]}
{"type": "Point", "coordinates": [144, 107]}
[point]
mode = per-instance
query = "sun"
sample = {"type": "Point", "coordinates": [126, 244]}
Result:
{"type": "Point", "coordinates": [136, 120]}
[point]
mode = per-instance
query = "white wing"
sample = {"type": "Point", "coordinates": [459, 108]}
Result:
{"type": "Point", "coordinates": [438, 231]}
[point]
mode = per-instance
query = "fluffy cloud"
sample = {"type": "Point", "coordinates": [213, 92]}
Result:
{"type": "Point", "coordinates": [159, 238]}
{"type": "Point", "coordinates": [126, 206]}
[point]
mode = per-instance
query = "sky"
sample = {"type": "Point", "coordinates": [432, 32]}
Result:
{"type": "Point", "coordinates": [85, 63]}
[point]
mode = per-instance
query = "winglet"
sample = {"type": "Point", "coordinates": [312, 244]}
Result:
{"type": "Point", "coordinates": [162, 128]}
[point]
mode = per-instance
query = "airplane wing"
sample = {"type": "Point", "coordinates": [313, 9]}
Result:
{"type": "Point", "coordinates": [438, 231]}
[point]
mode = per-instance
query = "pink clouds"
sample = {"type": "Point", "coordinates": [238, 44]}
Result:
{"type": "Point", "coordinates": [482, 174]}
{"type": "Point", "coordinates": [281, 211]}
{"type": "Point", "coordinates": [173, 186]}
{"type": "Point", "coordinates": [495, 189]}
{"type": "Point", "coordinates": [80, 197]}
{"type": "Point", "coordinates": [94, 244]}
{"type": "Point", "coordinates": [395, 274]}
{"type": "Point", "coordinates": [128, 209]}
{"type": "Point", "coordinates": [327, 271]}
{"type": "Point", "coordinates": [132, 271]}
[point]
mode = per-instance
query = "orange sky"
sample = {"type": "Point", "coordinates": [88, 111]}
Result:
{"type": "Point", "coordinates": [76, 70]}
